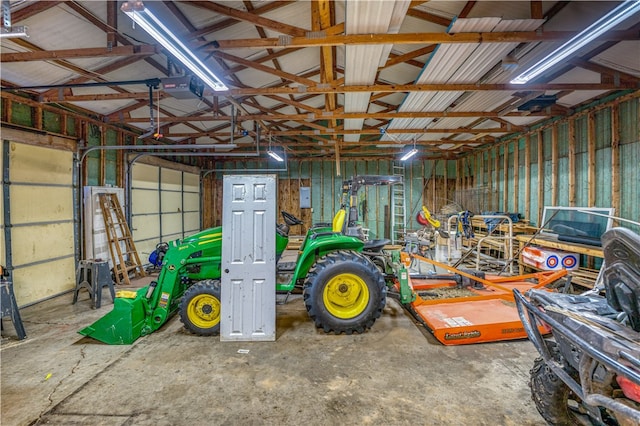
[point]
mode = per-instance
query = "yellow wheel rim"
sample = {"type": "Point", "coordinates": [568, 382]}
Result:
{"type": "Point", "coordinates": [204, 311]}
{"type": "Point", "coordinates": [346, 296]}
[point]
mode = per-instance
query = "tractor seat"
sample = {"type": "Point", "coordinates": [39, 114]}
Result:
{"type": "Point", "coordinates": [376, 245]}
{"type": "Point", "coordinates": [338, 221]}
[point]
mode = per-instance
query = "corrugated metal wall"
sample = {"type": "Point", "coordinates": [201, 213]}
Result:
{"type": "Point", "coordinates": [630, 160]}
{"type": "Point", "coordinates": [423, 181]}
{"type": "Point", "coordinates": [586, 159]}
{"type": "Point", "coordinates": [562, 162]}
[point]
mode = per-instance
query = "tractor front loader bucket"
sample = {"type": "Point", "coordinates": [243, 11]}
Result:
{"type": "Point", "coordinates": [125, 323]}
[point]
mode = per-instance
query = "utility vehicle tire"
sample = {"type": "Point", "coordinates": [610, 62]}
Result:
{"type": "Point", "coordinates": [553, 398]}
{"type": "Point", "coordinates": [200, 308]}
{"type": "Point", "coordinates": [344, 292]}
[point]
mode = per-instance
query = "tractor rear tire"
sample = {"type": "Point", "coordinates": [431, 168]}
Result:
{"type": "Point", "coordinates": [555, 401]}
{"type": "Point", "coordinates": [200, 308]}
{"type": "Point", "coordinates": [344, 292]}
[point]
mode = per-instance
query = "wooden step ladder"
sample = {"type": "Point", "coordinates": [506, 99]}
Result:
{"type": "Point", "coordinates": [123, 251]}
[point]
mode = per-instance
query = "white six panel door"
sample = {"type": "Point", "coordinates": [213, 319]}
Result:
{"type": "Point", "coordinates": [248, 258]}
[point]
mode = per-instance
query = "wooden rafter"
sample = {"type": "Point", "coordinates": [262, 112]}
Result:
{"type": "Point", "coordinates": [364, 131]}
{"type": "Point", "coordinates": [249, 17]}
{"type": "Point", "coordinates": [270, 56]}
{"type": "Point", "coordinates": [383, 89]}
{"type": "Point", "coordinates": [276, 63]}
{"type": "Point", "coordinates": [291, 107]}
{"type": "Point", "coordinates": [231, 21]}
{"type": "Point", "coordinates": [320, 115]}
{"type": "Point", "coordinates": [430, 17]}
{"type": "Point", "coordinates": [408, 57]}
{"type": "Point", "coordinates": [32, 9]}
{"type": "Point", "coordinates": [536, 9]}
{"type": "Point", "coordinates": [456, 87]}
{"type": "Point", "coordinates": [47, 55]}
{"type": "Point", "coordinates": [466, 10]}
{"type": "Point", "coordinates": [601, 69]}
{"type": "Point", "coordinates": [413, 38]}
{"type": "Point", "coordinates": [257, 66]}
{"type": "Point", "coordinates": [111, 67]}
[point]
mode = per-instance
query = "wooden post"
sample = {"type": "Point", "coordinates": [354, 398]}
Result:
{"type": "Point", "coordinates": [516, 174]}
{"type": "Point", "coordinates": [536, 9]}
{"type": "Point", "coordinates": [473, 172]}
{"type": "Point", "coordinates": [527, 177]}
{"type": "Point", "coordinates": [615, 159]}
{"type": "Point", "coordinates": [540, 177]}
{"type": "Point", "coordinates": [37, 118]}
{"type": "Point", "coordinates": [446, 180]}
{"type": "Point", "coordinates": [337, 158]}
{"type": "Point", "coordinates": [554, 164]}
{"type": "Point", "coordinates": [591, 159]}
{"type": "Point", "coordinates": [103, 157]}
{"type": "Point", "coordinates": [8, 110]}
{"type": "Point", "coordinates": [496, 167]}
{"type": "Point", "coordinates": [572, 162]}
{"type": "Point", "coordinates": [387, 222]}
{"type": "Point", "coordinates": [63, 124]}
{"type": "Point", "coordinates": [321, 187]}
{"type": "Point", "coordinates": [459, 174]}
{"type": "Point", "coordinates": [112, 22]}
{"type": "Point", "coordinates": [79, 128]}
{"type": "Point", "coordinates": [120, 167]}
{"type": "Point", "coordinates": [83, 134]}
{"type": "Point", "coordinates": [433, 185]}
{"type": "Point", "coordinates": [490, 180]}
{"type": "Point", "coordinates": [480, 175]}
{"type": "Point", "coordinates": [505, 178]}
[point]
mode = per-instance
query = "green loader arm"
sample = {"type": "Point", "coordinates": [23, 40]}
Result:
{"type": "Point", "coordinates": [141, 312]}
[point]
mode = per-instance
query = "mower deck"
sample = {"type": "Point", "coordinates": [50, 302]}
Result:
{"type": "Point", "coordinates": [482, 313]}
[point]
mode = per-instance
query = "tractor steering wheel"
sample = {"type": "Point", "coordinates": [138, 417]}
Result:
{"type": "Point", "coordinates": [290, 219]}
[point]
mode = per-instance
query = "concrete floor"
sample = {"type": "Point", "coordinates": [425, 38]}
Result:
{"type": "Point", "coordinates": [395, 374]}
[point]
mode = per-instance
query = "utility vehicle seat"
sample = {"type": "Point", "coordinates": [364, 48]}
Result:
{"type": "Point", "coordinates": [622, 272]}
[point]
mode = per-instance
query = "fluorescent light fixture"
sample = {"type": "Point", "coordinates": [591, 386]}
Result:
{"type": "Point", "coordinates": [275, 156]}
{"type": "Point", "coordinates": [225, 146]}
{"type": "Point", "coordinates": [409, 154]}
{"type": "Point", "coordinates": [142, 16]}
{"type": "Point", "coordinates": [13, 32]}
{"type": "Point", "coordinates": [595, 30]}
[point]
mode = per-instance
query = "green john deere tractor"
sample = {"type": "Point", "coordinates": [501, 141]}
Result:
{"type": "Point", "coordinates": [342, 279]}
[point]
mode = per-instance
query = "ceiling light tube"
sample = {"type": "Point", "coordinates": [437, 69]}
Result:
{"type": "Point", "coordinates": [225, 146]}
{"type": "Point", "coordinates": [142, 16]}
{"type": "Point", "coordinates": [595, 30]}
{"type": "Point", "coordinates": [275, 156]}
{"type": "Point", "coordinates": [409, 154]}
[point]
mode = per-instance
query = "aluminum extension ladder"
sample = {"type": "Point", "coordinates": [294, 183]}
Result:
{"type": "Point", "coordinates": [398, 207]}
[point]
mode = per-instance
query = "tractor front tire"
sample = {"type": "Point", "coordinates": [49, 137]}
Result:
{"type": "Point", "coordinates": [200, 308]}
{"type": "Point", "coordinates": [344, 292]}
